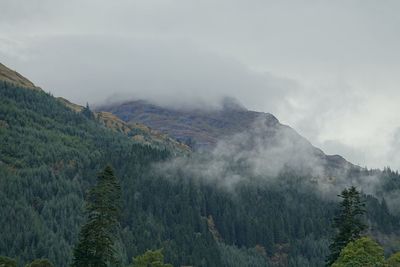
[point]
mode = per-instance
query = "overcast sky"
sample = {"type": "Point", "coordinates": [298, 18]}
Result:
{"type": "Point", "coordinates": [329, 69]}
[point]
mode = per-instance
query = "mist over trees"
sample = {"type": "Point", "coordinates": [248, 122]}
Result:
{"type": "Point", "coordinates": [49, 159]}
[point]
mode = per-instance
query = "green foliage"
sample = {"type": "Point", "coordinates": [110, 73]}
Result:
{"type": "Point", "coordinates": [7, 262]}
{"type": "Point", "coordinates": [151, 258]}
{"type": "Point", "coordinates": [49, 156]}
{"type": "Point", "coordinates": [394, 260]}
{"type": "Point", "coordinates": [96, 239]}
{"type": "Point", "coordinates": [363, 252]}
{"type": "Point", "coordinates": [40, 263]}
{"type": "Point", "coordinates": [348, 221]}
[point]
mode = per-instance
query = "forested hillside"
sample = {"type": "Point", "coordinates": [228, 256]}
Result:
{"type": "Point", "coordinates": [49, 157]}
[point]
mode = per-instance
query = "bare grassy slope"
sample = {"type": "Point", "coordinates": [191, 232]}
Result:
{"type": "Point", "coordinates": [14, 77]}
{"type": "Point", "coordinates": [137, 131]}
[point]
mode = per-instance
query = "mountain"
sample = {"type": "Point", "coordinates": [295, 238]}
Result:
{"type": "Point", "coordinates": [51, 151]}
{"type": "Point", "coordinates": [203, 129]}
{"type": "Point", "coordinates": [137, 131]}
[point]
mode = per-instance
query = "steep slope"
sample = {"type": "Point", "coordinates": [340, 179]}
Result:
{"type": "Point", "coordinates": [203, 129]}
{"type": "Point", "coordinates": [137, 131]}
{"type": "Point", "coordinates": [15, 78]}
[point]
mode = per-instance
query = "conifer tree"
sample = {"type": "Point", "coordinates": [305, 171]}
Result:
{"type": "Point", "coordinates": [348, 222]}
{"type": "Point", "coordinates": [95, 247]}
{"type": "Point", "coordinates": [87, 112]}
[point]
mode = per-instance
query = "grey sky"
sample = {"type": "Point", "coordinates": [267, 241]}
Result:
{"type": "Point", "coordinates": [330, 69]}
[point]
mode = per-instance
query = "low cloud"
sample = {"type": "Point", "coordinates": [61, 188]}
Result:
{"type": "Point", "coordinates": [269, 153]}
{"type": "Point", "coordinates": [97, 69]}
{"type": "Point", "coordinates": [265, 151]}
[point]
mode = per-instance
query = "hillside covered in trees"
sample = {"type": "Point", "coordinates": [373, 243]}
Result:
{"type": "Point", "coordinates": [49, 159]}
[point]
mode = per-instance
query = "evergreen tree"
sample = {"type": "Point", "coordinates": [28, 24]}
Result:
{"type": "Point", "coordinates": [96, 239]}
{"type": "Point", "coordinates": [348, 222]}
{"type": "Point", "coordinates": [87, 112]}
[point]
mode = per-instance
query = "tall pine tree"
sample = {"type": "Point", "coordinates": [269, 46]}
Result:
{"type": "Point", "coordinates": [95, 247]}
{"type": "Point", "coordinates": [87, 112]}
{"type": "Point", "coordinates": [348, 222]}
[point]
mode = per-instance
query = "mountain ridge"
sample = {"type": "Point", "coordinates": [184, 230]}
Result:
{"type": "Point", "coordinates": [178, 129]}
{"type": "Point", "coordinates": [137, 131]}
{"type": "Point", "coordinates": [203, 129]}
{"type": "Point", "coordinates": [11, 76]}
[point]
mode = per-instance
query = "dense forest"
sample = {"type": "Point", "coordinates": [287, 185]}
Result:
{"type": "Point", "coordinates": [49, 160]}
